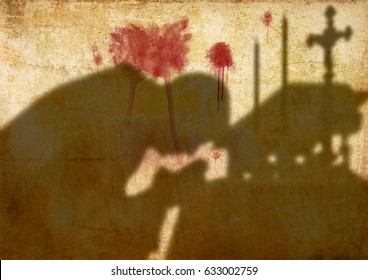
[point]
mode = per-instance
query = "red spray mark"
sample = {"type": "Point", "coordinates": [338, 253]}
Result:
{"type": "Point", "coordinates": [267, 18]}
{"type": "Point", "coordinates": [159, 52]}
{"type": "Point", "coordinates": [216, 155]}
{"type": "Point", "coordinates": [128, 49]}
{"type": "Point", "coordinates": [129, 45]}
{"type": "Point", "coordinates": [96, 55]}
{"type": "Point", "coordinates": [220, 58]}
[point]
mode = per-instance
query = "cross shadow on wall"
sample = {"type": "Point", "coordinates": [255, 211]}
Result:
{"type": "Point", "coordinates": [288, 194]}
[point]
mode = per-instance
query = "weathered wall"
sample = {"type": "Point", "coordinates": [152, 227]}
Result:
{"type": "Point", "coordinates": [55, 139]}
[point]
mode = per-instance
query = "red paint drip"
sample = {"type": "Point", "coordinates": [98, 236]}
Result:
{"type": "Point", "coordinates": [267, 19]}
{"type": "Point", "coordinates": [96, 55]}
{"type": "Point", "coordinates": [222, 84]}
{"type": "Point", "coordinates": [159, 52]}
{"type": "Point", "coordinates": [220, 58]}
{"type": "Point", "coordinates": [220, 55]}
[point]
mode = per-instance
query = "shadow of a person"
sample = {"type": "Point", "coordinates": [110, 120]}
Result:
{"type": "Point", "coordinates": [67, 159]}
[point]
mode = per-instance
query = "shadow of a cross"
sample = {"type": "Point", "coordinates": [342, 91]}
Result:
{"type": "Point", "coordinates": [327, 40]}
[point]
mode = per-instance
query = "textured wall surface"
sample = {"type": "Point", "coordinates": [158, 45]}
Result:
{"type": "Point", "coordinates": [77, 183]}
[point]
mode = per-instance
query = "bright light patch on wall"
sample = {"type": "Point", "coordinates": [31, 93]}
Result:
{"type": "Point", "coordinates": [300, 160]}
{"type": "Point", "coordinates": [317, 149]}
{"type": "Point", "coordinates": [338, 161]}
{"type": "Point", "coordinates": [142, 179]}
{"type": "Point", "coordinates": [166, 233]}
{"type": "Point", "coordinates": [216, 161]}
{"type": "Point", "coordinates": [272, 159]}
{"type": "Point", "coordinates": [336, 143]}
{"type": "Point", "coordinates": [247, 176]}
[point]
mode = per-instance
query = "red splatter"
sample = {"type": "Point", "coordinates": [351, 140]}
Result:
{"type": "Point", "coordinates": [96, 55]}
{"type": "Point", "coordinates": [159, 52]}
{"type": "Point", "coordinates": [220, 57]}
{"type": "Point", "coordinates": [130, 45]}
{"type": "Point", "coordinates": [267, 18]}
{"type": "Point", "coordinates": [216, 155]}
{"type": "Point", "coordinates": [154, 51]}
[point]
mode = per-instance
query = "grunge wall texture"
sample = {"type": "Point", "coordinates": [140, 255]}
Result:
{"type": "Point", "coordinates": [76, 183]}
